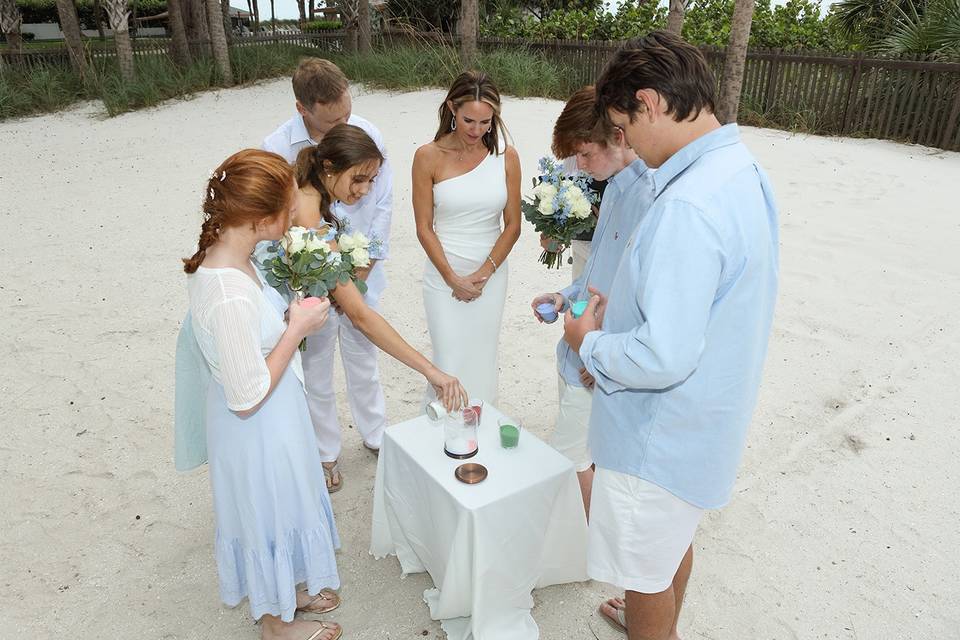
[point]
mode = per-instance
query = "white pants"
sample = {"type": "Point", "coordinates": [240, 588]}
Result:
{"type": "Point", "coordinates": [367, 403]}
{"type": "Point", "coordinates": [639, 532]}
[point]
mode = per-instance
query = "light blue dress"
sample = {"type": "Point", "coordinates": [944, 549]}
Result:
{"type": "Point", "coordinates": [274, 523]}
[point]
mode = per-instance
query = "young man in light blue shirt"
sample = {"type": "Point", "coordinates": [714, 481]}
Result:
{"type": "Point", "coordinates": [677, 346]}
{"type": "Point", "coordinates": [600, 151]}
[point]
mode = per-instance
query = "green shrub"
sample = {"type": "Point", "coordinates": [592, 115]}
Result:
{"type": "Point", "coordinates": [46, 10]}
{"type": "Point", "coordinates": [321, 25]}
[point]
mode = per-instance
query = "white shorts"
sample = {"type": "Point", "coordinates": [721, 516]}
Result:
{"type": "Point", "coordinates": [573, 423]}
{"type": "Point", "coordinates": [639, 532]}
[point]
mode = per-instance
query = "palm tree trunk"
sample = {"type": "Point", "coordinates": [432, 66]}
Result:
{"type": "Point", "coordinates": [735, 60]}
{"type": "Point", "coordinates": [99, 18]}
{"type": "Point", "coordinates": [179, 49]}
{"type": "Point", "coordinates": [302, 7]}
{"type": "Point", "coordinates": [10, 21]}
{"type": "Point", "coordinates": [469, 23]}
{"type": "Point", "coordinates": [256, 17]}
{"type": "Point", "coordinates": [119, 21]}
{"type": "Point", "coordinates": [675, 18]}
{"type": "Point", "coordinates": [218, 42]}
{"type": "Point", "coordinates": [312, 10]}
{"type": "Point", "coordinates": [70, 25]}
{"type": "Point", "coordinates": [203, 29]}
{"type": "Point", "coordinates": [227, 23]}
{"type": "Point", "coordinates": [363, 20]}
{"type": "Point", "coordinates": [273, 18]}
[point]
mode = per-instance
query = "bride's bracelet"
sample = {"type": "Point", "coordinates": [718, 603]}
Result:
{"type": "Point", "coordinates": [493, 262]}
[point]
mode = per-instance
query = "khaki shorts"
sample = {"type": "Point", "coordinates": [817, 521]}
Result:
{"type": "Point", "coordinates": [573, 424]}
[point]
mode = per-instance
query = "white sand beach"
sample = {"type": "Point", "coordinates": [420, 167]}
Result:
{"type": "Point", "coordinates": [842, 524]}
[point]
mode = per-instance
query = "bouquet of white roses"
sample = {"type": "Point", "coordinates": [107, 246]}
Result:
{"type": "Point", "coordinates": [302, 264]}
{"type": "Point", "coordinates": [561, 208]}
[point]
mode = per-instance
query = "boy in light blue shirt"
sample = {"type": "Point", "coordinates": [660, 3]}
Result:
{"type": "Point", "coordinates": [677, 346]}
{"type": "Point", "coordinates": [600, 151]}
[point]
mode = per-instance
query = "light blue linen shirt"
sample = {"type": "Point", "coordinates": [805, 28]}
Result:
{"type": "Point", "coordinates": [679, 357]}
{"type": "Point", "coordinates": [627, 197]}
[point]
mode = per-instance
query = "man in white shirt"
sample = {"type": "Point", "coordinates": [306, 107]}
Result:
{"type": "Point", "coordinates": [323, 101]}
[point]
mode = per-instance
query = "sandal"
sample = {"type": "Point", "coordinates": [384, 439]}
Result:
{"type": "Point", "coordinates": [620, 623]}
{"type": "Point", "coordinates": [332, 473]}
{"type": "Point", "coordinates": [324, 595]}
{"type": "Point", "coordinates": [327, 626]}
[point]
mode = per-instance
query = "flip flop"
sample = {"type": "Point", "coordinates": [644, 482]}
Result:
{"type": "Point", "coordinates": [329, 473]}
{"type": "Point", "coordinates": [324, 627]}
{"type": "Point", "coordinates": [620, 624]}
{"type": "Point", "coordinates": [325, 594]}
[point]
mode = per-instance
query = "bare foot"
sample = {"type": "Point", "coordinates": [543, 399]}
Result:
{"type": "Point", "coordinates": [610, 609]}
{"type": "Point", "coordinates": [275, 629]}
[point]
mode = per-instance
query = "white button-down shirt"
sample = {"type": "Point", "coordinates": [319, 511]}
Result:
{"type": "Point", "coordinates": [371, 214]}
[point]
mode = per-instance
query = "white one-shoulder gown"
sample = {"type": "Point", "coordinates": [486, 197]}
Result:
{"type": "Point", "coordinates": [467, 217]}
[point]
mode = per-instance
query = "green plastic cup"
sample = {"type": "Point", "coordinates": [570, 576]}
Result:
{"type": "Point", "coordinates": [577, 308]}
{"type": "Point", "coordinates": [509, 434]}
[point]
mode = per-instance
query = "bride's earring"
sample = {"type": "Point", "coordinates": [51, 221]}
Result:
{"type": "Point", "coordinates": [453, 124]}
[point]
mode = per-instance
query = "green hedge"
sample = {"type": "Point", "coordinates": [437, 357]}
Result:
{"type": "Point", "coordinates": [46, 10]}
{"type": "Point", "coordinates": [321, 25]}
{"type": "Point", "coordinates": [794, 24]}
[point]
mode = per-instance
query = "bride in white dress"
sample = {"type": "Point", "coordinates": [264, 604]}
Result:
{"type": "Point", "coordinates": [466, 199]}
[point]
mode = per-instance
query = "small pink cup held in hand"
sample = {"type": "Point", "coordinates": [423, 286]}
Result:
{"type": "Point", "coordinates": [306, 303]}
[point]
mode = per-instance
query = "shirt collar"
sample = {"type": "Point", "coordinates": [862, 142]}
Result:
{"type": "Point", "coordinates": [682, 159]}
{"type": "Point", "coordinates": [298, 132]}
{"type": "Point", "coordinates": [628, 175]}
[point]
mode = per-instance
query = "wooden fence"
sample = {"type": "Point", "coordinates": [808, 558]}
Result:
{"type": "Point", "coordinates": [905, 99]}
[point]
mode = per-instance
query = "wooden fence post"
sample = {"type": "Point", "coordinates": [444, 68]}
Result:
{"type": "Point", "coordinates": [851, 91]}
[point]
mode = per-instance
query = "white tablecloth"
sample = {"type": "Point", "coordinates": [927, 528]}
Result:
{"type": "Point", "coordinates": [488, 545]}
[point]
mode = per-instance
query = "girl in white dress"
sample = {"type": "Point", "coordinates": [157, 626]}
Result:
{"type": "Point", "coordinates": [343, 167]}
{"type": "Point", "coordinates": [274, 524]}
{"type": "Point", "coordinates": [466, 199]}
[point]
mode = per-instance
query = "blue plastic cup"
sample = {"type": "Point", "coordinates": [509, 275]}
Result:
{"type": "Point", "coordinates": [547, 312]}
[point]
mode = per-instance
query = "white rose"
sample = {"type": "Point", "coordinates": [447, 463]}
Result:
{"type": "Point", "coordinates": [295, 241]}
{"type": "Point", "coordinates": [346, 243]}
{"type": "Point", "coordinates": [545, 191]}
{"type": "Point", "coordinates": [546, 206]}
{"type": "Point", "coordinates": [582, 208]}
{"type": "Point", "coordinates": [315, 242]}
{"type": "Point", "coordinates": [361, 240]}
{"type": "Point", "coordinates": [361, 257]}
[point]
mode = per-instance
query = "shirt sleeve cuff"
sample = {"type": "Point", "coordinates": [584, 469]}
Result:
{"type": "Point", "coordinates": [591, 342]}
{"type": "Point", "coordinates": [570, 291]}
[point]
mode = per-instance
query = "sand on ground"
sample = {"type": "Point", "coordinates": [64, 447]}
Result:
{"type": "Point", "coordinates": [844, 522]}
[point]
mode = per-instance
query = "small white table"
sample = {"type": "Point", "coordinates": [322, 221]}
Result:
{"type": "Point", "coordinates": [487, 545]}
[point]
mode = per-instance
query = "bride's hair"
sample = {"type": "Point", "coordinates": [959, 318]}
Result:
{"type": "Point", "coordinates": [247, 187]}
{"type": "Point", "coordinates": [473, 86]}
{"type": "Point", "coordinates": [341, 148]}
